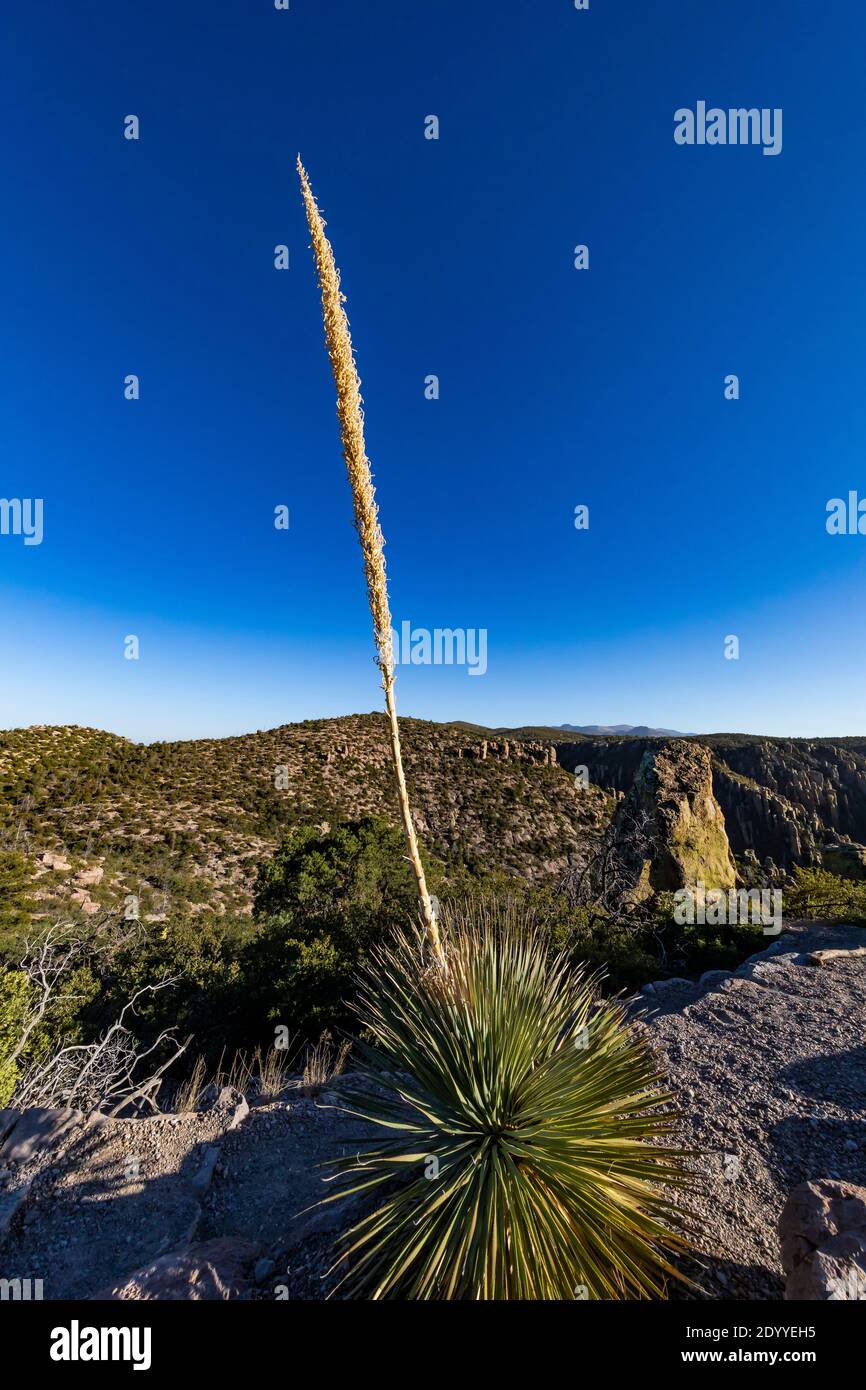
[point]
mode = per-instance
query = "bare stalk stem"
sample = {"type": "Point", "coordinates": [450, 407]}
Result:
{"type": "Point", "coordinates": [351, 415]}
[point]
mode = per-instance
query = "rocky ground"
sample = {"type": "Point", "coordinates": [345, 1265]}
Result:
{"type": "Point", "coordinates": [769, 1062]}
{"type": "Point", "coordinates": [770, 1066]}
{"type": "Point", "coordinates": [87, 1206]}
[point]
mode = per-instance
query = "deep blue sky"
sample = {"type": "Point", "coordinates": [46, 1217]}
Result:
{"type": "Point", "coordinates": [558, 387]}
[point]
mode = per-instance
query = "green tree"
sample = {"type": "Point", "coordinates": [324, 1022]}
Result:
{"type": "Point", "coordinates": [14, 1002]}
{"type": "Point", "coordinates": [322, 902]}
{"type": "Point", "coordinates": [820, 894]}
{"type": "Point", "coordinates": [14, 906]}
{"type": "Point", "coordinates": [201, 955]}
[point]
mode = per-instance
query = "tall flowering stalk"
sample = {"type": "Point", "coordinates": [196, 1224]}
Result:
{"type": "Point", "coordinates": [351, 415]}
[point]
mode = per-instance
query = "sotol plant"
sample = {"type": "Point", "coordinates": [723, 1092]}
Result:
{"type": "Point", "coordinates": [517, 1106]}
{"type": "Point", "coordinates": [351, 416]}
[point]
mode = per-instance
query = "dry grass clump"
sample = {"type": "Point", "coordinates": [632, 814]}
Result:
{"type": "Point", "coordinates": [272, 1070]}
{"type": "Point", "coordinates": [188, 1095]}
{"type": "Point", "coordinates": [323, 1063]}
{"type": "Point", "coordinates": [263, 1074]}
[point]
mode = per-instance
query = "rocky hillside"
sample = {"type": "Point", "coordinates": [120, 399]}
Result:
{"type": "Point", "coordinates": [102, 818]}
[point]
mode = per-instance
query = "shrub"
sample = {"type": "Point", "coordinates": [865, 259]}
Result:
{"type": "Point", "coordinates": [323, 902]}
{"type": "Point", "coordinates": [818, 893]}
{"type": "Point", "coordinates": [516, 1106]}
{"type": "Point", "coordinates": [208, 998]}
{"type": "Point", "coordinates": [14, 1008]}
{"type": "Point", "coordinates": [627, 950]}
{"type": "Point", "coordinates": [318, 875]}
{"type": "Point", "coordinates": [720, 948]}
{"type": "Point", "coordinates": [14, 905]}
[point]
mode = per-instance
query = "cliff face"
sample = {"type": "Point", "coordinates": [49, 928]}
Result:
{"type": "Point", "coordinates": [610, 762]}
{"type": "Point", "coordinates": [784, 800]}
{"type": "Point", "coordinates": [763, 822]}
{"type": "Point", "coordinates": [684, 839]}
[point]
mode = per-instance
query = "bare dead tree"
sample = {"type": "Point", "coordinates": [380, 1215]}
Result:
{"type": "Point", "coordinates": [104, 1076]}
{"type": "Point", "coordinates": [605, 883]}
{"type": "Point", "coordinates": [55, 953]}
{"type": "Point", "coordinates": [604, 886]}
{"type": "Point", "coordinates": [107, 1075]}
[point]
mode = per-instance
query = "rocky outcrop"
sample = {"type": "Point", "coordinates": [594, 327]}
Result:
{"type": "Point", "coordinates": [822, 1231]}
{"type": "Point", "coordinates": [504, 750]}
{"type": "Point", "coordinates": [670, 825]}
{"type": "Point", "coordinates": [335, 751]}
{"type": "Point", "coordinates": [51, 860]}
{"type": "Point", "coordinates": [845, 859]}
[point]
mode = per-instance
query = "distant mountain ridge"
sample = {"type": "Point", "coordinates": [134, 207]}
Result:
{"type": "Point", "coordinates": [624, 730]}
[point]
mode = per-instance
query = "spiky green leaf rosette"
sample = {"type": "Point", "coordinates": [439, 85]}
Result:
{"type": "Point", "coordinates": [517, 1108]}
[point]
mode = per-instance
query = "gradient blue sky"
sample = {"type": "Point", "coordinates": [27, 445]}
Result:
{"type": "Point", "coordinates": [557, 387]}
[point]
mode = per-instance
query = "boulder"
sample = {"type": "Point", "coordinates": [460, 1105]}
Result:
{"type": "Point", "coordinates": [713, 979]}
{"type": "Point", "coordinates": [84, 901]}
{"type": "Point", "coordinates": [207, 1270]}
{"type": "Point", "coordinates": [846, 860]}
{"type": "Point", "coordinates": [36, 1130]}
{"type": "Point", "coordinates": [51, 860]}
{"type": "Point", "coordinates": [235, 1105]}
{"type": "Point", "coordinates": [86, 878]}
{"type": "Point", "coordinates": [822, 1230]}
